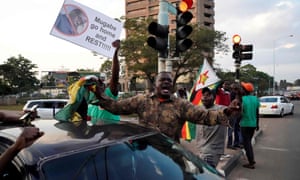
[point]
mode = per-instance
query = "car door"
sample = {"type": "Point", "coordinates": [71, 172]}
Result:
{"type": "Point", "coordinates": [284, 105]}
{"type": "Point", "coordinates": [288, 105]}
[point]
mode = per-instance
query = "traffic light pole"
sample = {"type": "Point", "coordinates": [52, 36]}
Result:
{"type": "Point", "coordinates": [163, 19]}
{"type": "Point", "coordinates": [165, 64]}
{"type": "Point", "coordinates": [237, 71]}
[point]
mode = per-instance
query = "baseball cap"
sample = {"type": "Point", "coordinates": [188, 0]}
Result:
{"type": "Point", "coordinates": [247, 86]}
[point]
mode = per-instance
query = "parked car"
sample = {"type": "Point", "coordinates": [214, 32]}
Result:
{"type": "Point", "coordinates": [275, 105]}
{"type": "Point", "coordinates": [46, 107]}
{"type": "Point", "coordinates": [121, 150]}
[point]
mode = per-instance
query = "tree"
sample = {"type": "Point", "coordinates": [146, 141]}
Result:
{"type": "Point", "coordinates": [297, 82]}
{"type": "Point", "coordinates": [142, 60]}
{"type": "Point", "coordinates": [248, 73]}
{"type": "Point", "coordinates": [106, 68]}
{"type": "Point", "coordinates": [18, 74]}
{"type": "Point", "coordinates": [205, 42]}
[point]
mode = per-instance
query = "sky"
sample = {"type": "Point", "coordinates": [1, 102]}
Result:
{"type": "Point", "coordinates": [273, 27]}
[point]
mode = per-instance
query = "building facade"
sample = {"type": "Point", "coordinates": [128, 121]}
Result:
{"type": "Point", "coordinates": [203, 11]}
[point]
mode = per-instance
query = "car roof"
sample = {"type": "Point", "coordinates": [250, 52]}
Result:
{"type": "Point", "coordinates": [37, 100]}
{"type": "Point", "coordinates": [67, 137]}
{"type": "Point", "coordinates": [271, 96]}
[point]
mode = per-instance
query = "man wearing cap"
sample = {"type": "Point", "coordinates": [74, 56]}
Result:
{"type": "Point", "coordinates": [210, 140]}
{"type": "Point", "coordinates": [250, 121]}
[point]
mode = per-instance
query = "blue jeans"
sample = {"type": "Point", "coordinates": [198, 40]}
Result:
{"type": "Point", "coordinates": [235, 132]}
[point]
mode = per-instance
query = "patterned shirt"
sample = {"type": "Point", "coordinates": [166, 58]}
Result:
{"type": "Point", "coordinates": [167, 116]}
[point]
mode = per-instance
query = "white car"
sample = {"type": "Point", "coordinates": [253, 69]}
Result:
{"type": "Point", "coordinates": [46, 107]}
{"type": "Point", "coordinates": [275, 105]}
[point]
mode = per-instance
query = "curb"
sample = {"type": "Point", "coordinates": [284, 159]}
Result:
{"type": "Point", "coordinates": [233, 161]}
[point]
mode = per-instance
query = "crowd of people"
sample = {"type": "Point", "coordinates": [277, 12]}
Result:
{"type": "Point", "coordinates": [228, 109]}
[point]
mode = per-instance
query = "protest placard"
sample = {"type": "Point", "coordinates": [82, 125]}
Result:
{"type": "Point", "coordinates": [86, 27]}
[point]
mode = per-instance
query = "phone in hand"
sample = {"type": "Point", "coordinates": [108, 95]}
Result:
{"type": "Point", "coordinates": [28, 114]}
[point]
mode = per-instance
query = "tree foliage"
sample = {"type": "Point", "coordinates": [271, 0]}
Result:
{"type": "Point", "coordinates": [297, 82]}
{"type": "Point", "coordinates": [205, 42]}
{"type": "Point", "coordinates": [248, 73]}
{"type": "Point", "coordinates": [18, 76]}
{"type": "Point", "coordinates": [106, 68]}
{"type": "Point", "coordinates": [139, 57]}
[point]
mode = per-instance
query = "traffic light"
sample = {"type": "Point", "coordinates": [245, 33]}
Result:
{"type": "Point", "coordinates": [236, 39]}
{"type": "Point", "coordinates": [246, 52]}
{"type": "Point", "coordinates": [183, 30]}
{"type": "Point", "coordinates": [160, 39]}
{"type": "Point", "coordinates": [241, 52]}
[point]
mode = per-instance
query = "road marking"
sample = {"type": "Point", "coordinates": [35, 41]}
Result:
{"type": "Point", "coordinates": [274, 149]}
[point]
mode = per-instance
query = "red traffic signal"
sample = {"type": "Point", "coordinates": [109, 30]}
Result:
{"type": "Point", "coordinates": [184, 5]}
{"type": "Point", "coordinates": [241, 52]}
{"type": "Point", "coordinates": [236, 39]}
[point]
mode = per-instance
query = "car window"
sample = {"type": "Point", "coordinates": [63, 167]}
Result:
{"type": "Point", "coordinates": [48, 104]}
{"type": "Point", "coordinates": [148, 158]}
{"type": "Point", "coordinates": [285, 100]}
{"type": "Point", "coordinates": [61, 104]}
{"type": "Point", "coordinates": [78, 166]}
{"type": "Point", "coordinates": [268, 99]}
{"type": "Point", "coordinates": [31, 104]}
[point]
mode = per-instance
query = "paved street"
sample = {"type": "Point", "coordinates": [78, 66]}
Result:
{"type": "Point", "coordinates": [277, 150]}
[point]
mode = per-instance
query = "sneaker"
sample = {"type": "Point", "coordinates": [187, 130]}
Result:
{"type": "Point", "coordinates": [239, 146]}
{"type": "Point", "coordinates": [231, 147]}
{"type": "Point", "coordinates": [249, 166]}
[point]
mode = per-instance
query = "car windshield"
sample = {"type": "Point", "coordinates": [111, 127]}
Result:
{"type": "Point", "coordinates": [153, 157]}
{"type": "Point", "coordinates": [268, 99]}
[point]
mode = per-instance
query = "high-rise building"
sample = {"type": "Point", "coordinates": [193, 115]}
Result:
{"type": "Point", "coordinates": [203, 11]}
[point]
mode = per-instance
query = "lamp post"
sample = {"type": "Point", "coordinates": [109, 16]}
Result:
{"type": "Point", "coordinates": [274, 62]}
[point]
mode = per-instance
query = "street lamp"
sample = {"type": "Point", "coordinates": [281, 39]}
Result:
{"type": "Point", "coordinates": [274, 46]}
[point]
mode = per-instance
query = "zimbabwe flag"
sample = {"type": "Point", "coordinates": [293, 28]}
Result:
{"type": "Point", "coordinates": [206, 78]}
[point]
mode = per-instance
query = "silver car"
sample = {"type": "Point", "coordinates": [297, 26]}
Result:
{"type": "Point", "coordinates": [275, 105]}
{"type": "Point", "coordinates": [46, 107]}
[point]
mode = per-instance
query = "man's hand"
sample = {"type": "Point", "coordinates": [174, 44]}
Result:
{"type": "Point", "coordinates": [28, 137]}
{"type": "Point", "coordinates": [116, 44]}
{"type": "Point", "coordinates": [235, 105]}
{"type": "Point", "coordinates": [234, 109]}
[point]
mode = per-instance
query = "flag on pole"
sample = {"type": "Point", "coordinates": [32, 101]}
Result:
{"type": "Point", "coordinates": [206, 78]}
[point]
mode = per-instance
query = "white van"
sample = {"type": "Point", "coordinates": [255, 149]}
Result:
{"type": "Point", "coordinates": [46, 107]}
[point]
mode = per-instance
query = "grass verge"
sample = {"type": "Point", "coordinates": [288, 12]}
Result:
{"type": "Point", "coordinates": [12, 107]}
